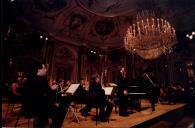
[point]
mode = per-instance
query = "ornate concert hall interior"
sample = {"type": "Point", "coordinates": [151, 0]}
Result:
{"type": "Point", "coordinates": [142, 48]}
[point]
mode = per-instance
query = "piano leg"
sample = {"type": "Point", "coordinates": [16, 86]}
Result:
{"type": "Point", "coordinates": [135, 103]}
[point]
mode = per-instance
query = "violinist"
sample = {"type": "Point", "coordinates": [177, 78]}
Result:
{"type": "Point", "coordinates": [97, 97]}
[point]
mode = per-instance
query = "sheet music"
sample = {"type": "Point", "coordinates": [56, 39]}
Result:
{"type": "Point", "coordinates": [72, 89]}
{"type": "Point", "coordinates": [108, 90]}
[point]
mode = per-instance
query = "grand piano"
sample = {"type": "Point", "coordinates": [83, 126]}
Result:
{"type": "Point", "coordinates": [140, 89]}
{"type": "Point", "coordinates": [136, 94]}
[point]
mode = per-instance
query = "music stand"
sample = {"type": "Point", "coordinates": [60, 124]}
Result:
{"type": "Point", "coordinates": [71, 90]}
{"type": "Point", "coordinates": [61, 91]}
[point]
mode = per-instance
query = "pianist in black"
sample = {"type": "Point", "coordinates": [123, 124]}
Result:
{"type": "Point", "coordinates": [97, 97]}
{"type": "Point", "coordinates": [147, 83]}
{"type": "Point", "coordinates": [122, 92]}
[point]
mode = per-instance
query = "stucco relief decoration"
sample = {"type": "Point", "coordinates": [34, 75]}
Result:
{"type": "Point", "coordinates": [108, 8]}
{"type": "Point", "coordinates": [76, 21]}
{"type": "Point", "coordinates": [104, 27]}
{"type": "Point", "coordinates": [72, 25]}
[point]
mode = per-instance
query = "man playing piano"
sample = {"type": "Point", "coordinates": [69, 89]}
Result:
{"type": "Point", "coordinates": [147, 83]}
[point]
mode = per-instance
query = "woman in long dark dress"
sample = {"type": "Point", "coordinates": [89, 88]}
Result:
{"type": "Point", "coordinates": [122, 92]}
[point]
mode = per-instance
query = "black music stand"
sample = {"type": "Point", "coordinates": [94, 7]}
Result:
{"type": "Point", "coordinates": [71, 90]}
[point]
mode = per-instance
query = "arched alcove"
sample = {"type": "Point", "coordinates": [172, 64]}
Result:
{"type": "Point", "coordinates": [64, 64]}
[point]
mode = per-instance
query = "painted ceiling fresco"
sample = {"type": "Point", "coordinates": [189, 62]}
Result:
{"type": "Point", "coordinates": [99, 22]}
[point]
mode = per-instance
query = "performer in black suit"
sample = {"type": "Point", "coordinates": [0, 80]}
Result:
{"type": "Point", "coordinates": [97, 97]}
{"type": "Point", "coordinates": [148, 84]}
{"type": "Point", "coordinates": [38, 99]}
{"type": "Point", "coordinates": [36, 90]}
{"type": "Point", "coordinates": [122, 92]}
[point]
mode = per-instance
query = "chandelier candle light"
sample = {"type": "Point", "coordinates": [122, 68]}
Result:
{"type": "Point", "coordinates": [150, 36]}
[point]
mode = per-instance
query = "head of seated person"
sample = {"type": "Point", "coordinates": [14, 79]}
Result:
{"type": "Point", "coordinates": [68, 83]}
{"type": "Point", "coordinates": [16, 87]}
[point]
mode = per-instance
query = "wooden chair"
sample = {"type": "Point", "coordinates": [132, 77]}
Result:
{"type": "Point", "coordinates": [12, 101]}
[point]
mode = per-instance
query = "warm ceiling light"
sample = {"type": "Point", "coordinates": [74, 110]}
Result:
{"type": "Point", "coordinates": [191, 37]}
{"type": "Point", "coordinates": [150, 36]}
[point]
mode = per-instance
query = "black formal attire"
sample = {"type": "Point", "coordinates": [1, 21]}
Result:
{"type": "Point", "coordinates": [81, 95]}
{"type": "Point", "coordinates": [36, 94]}
{"type": "Point", "coordinates": [40, 103]}
{"type": "Point", "coordinates": [123, 99]}
{"type": "Point", "coordinates": [152, 92]}
{"type": "Point", "coordinates": [97, 97]}
{"type": "Point", "coordinates": [171, 95]}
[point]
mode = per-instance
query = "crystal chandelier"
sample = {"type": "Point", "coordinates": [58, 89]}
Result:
{"type": "Point", "coordinates": [150, 36]}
